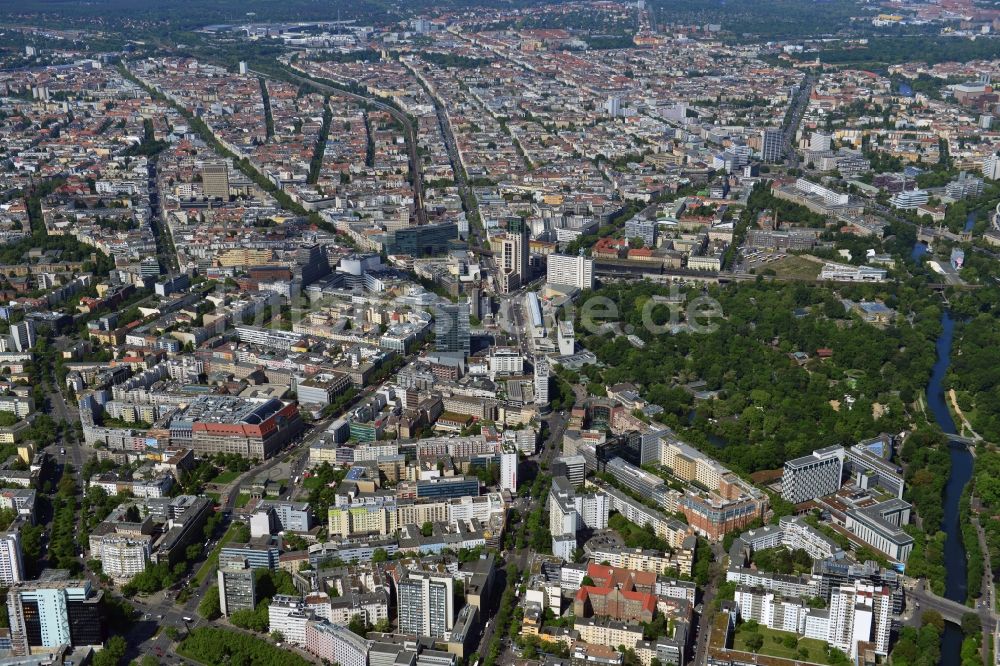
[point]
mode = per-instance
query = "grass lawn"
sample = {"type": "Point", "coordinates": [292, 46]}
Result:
{"type": "Point", "coordinates": [213, 559]}
{"type": "Point", "coordinates": [774, 645]}
{"type": "Point", "coordinates": [242, 499]}
{"type": "Point", "coordinates": [312, 483]}
{"type": "Point", "coordinates": [227, 476]}
{"type": "Point", "coordinates": [794, 267]}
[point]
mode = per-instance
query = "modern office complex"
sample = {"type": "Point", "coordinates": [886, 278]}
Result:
{"type": "Point", "coordinates": [791, 532]}
{"type": "Point", "coordinates": [870, 471]}
{"type": "Point", "coordinates": [55, 611]}
{"type": "Point", "coordinates": [253, 428]}
{"type": "Point", "coordinates": [909, 199]}
{"type": "Point", "coordinates": [850, 273]}
{"type": "Point", "coordinates": [881, 526]}
{"type": "Point", "coordinates": [422, 241]}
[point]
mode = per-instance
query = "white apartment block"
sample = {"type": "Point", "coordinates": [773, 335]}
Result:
{"type": "Point", "coordinates": [568, 271]}
{"type": "Point", "coordinates": [426, 604]}
{"type": "Point", "coordinates": [860, 612]}
{"type": "Point", "coordinates": [827, 195]}
{"type": "Point", "coordinates": [667, 528]}
{"type": "Point", "coordinates": [793, 533]}
{"type": "Point", "coordinates": [568, 512]}
{"type": "Point", "coordinates": [508, 471]}
{"type": "Point", "coordinates": [609, 633]}
{"type": "Point", "coordinates": [122, 557]}
{"type": "Point", "coordinates": [991, 167]}
{"type": "Point", "coordinates": [857, 612]}
{"type": "Point", "coordinates": [771, 610]}
{"type": "Point", "coordinates": [288, 615]}
{"type": "Point", "coordinates": [336, 644]}
{"type": "Point", "coordinates": [789, 586]}
{"type": "Point", "coordinates": [593, 510]}
{"type": "Point", "coordinates": [11, 559]}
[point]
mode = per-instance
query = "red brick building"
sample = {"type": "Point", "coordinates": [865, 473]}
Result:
{"type": "Point", "coordinates": [621, 594]}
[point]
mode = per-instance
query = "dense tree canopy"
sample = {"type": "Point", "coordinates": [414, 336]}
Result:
{"type": "Point", "coordinates": [210, 645]}
{"type": "Point", "coordinates": [768, 407]}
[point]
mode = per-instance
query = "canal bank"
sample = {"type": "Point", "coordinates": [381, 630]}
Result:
{"type": "Point", "coordinates": [956, 584]}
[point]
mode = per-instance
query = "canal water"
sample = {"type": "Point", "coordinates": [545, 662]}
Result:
{"type": "Point", "coordinates": [920, 248]}
{"type": "Point", "coordinates": [970, 221]}
{"type": "Point", "coordinates": [956, 587]}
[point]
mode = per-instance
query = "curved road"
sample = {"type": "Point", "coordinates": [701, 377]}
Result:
{"type": "Point", "coordinates": [952, 611]}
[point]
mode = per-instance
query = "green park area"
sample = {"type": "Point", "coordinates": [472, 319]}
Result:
{"type": "Point", "coordinates": [752, 637]}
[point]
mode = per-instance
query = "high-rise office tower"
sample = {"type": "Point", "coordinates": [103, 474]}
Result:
{"type": "Point", "coordinates": [55, 611]}
{"type": "Point", "coordinates": [508, 471]}
{"type": "Point", "coordinates": [426, 606]}
{"type": "Point", "coordinates": [149, 268]}
{"type": "Point", "coordinates": [215, 181]}
{"type": "Point", "coordinates": [991, 166]}
{"type": "Point", "coordinates": [512, 247]}
{"type": "Point", "coordinates": [451, 328]}
{"type": "Point", "coordinates": [613, 106]}
{"type": "Point", "coordinates": [237, 585]}
{"type": "Point", "coordinates": [542, 377]}
{"type": "Point", "coordinates": [820, 141]}
{"type": "Point", "coordinates": [772, 145]}
{"type": "Point", "coordinates": [310, 264]}
{"type": "Point", "coordinates": [23, 335]}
